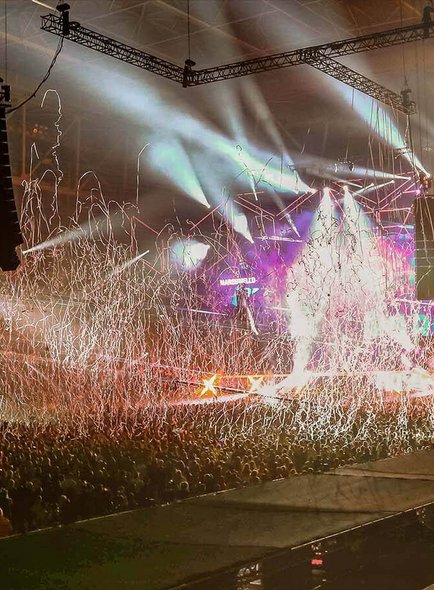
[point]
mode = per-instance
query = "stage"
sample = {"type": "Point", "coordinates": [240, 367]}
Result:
{"type": "Point", "coordinates": [413, 383]}
{"type": "Point", "coordinates": [166, 546]}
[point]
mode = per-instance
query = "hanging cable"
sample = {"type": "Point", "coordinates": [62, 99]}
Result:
{"type": "Point", "coordinates": [188, 29]}
{"type": "Point", "coordinates": [426, 20]}
{"type": "Point", "coordinates": [45, 78]}
{"type": "Point", "coordinates": [420, 100]}
{"type": "Point", "coordinates": [189, 63]}
{"type": "Point", "coordinates": [6, 41]}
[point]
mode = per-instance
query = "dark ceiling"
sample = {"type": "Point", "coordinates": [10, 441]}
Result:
{"type": "Point", "coordinates": [111, 109]}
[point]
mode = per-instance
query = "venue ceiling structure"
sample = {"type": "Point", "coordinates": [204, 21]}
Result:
{"type": "Point", "coordinates": [315, 116]}
{"type": "Point", "coordinates": [318, 56]}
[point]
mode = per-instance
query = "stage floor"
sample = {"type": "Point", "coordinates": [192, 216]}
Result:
{"type": "Point", "coordinates": [160, 547]}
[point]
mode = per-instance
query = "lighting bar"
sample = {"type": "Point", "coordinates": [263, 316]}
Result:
{"type": "Point", "coordinates": [352, 78]}
{"type": "Point", "coordinates": [319, 56]}
{"type": "Point", "coordinates": [296, 57]}
{"type": "Point", "coordinates": [116, 49]}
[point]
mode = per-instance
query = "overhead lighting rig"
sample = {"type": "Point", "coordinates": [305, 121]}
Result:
{"type": "Point", "coordinates": [63, 27]}
{"type": "Point", "coordinates": [352, 78]}
{"type": "Point", "coordinates": [321, 57]}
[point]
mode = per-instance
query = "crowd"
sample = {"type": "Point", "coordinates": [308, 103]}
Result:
{"type": "Point", "coordinates": [55, 475]}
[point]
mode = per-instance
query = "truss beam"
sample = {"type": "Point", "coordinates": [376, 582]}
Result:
{"type": "Point", "coordinates": [300, 56]}
{"type": "Point", "coordinates": [321, 57]}
{"type": "Point", "coordinates": [116, 49]}
{"type": "Point", "coordinates": [352, 78]}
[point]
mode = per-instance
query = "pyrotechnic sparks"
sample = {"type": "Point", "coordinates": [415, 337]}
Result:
{"type": "Point", "coordinates": [381, 123]}
{"type": "Point", "coordinates": [316, 307]}
{"type": "Point", "coordinates": [101, 343]}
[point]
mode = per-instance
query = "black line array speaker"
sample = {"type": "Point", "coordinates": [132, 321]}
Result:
{"type": "Point", "coordinates": [10, 233]}
{"type": "Point", "coordinates": [424, 247]}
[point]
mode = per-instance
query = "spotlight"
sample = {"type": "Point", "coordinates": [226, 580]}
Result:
{"type": "Point", "coordinates": [63, 8]}
{"type": "Point", "coordinates": [188, 71]}
{"type": "Point", "coordinates": [342, 164]}
{"type": "Point", "coordinates": [189, 253]}
{"type": "Point", "coordinates": [408, 104]}
{"type": "Point", "coordinates": [209, 386]}
{"type": "Point", "coordinates": [255, 382]}
{"type": "Point", "coordinates": [426, 19]}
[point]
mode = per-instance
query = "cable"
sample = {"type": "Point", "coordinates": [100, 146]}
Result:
{"type": "Point", "coordinates": [45, 78]}
{"type": "Point", "coordinates": [6, 41]}
{"type": "Point", "coordinates": [404, 69]}
{"type": "Point", "coordinates": [188, 29]}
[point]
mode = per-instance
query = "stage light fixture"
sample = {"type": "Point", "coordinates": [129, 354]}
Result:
{"type": "Point", "coordinates": [406, 99]}
{"type": "Point", "coordinates": [64, 8]}
{"type": "Point", "coordinates": [189, 253]}
{"type": "Point", "coordinates": [255, 382]}
{"type": "Point", "coordinates": [209, 386]}
{"type": "Point", "coordinates": [426, 19]}
{"type": "Point", "coordinates": [187, 73]}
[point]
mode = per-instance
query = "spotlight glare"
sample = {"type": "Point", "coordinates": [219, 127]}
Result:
{"type": "Point", "coordinates": [45, 5]}
{"type": "Point", "coordinates": [209, 386]}
{"type": "Point", "coordinates": [255, 382]}
{"type": "Point", "coordinates": [188, 254]}
{"type": "Point", "coordinates": [128, 263]}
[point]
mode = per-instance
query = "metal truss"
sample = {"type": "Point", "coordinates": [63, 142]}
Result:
{"type": "Point", "coordinates": [319, 56]}
{"type": "Point", "coordinates": [302, 56]}
{"type": "Point", "coordinates": [352, 78]}
{"type": "Point", "coordinates": [116, 49]}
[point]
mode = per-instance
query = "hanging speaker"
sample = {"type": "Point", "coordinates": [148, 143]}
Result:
{"type": "Point", "coordinates": [10, 233]}
{"type": "Point", "coordinates": [424, 247]}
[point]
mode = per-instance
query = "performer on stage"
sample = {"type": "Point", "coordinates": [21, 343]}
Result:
{"type": "Point", "coordinates": [244, 309]}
